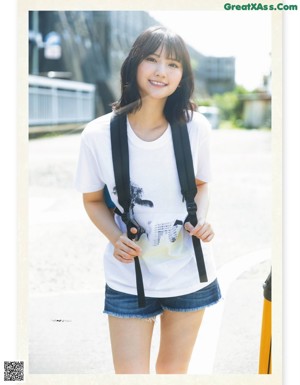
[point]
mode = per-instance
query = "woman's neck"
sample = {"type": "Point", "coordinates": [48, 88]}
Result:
{"type": "Point", "coordinates": [149, 121]}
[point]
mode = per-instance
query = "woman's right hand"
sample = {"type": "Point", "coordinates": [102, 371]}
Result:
{"type": "Point", "coordinates": [125, 250]}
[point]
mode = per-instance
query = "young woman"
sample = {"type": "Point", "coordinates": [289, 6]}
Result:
{"type": "Point", "coordinates": [157, 85]}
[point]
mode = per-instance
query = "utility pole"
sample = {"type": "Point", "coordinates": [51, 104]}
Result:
{"type": "Point", "coordinates": [36, 49]}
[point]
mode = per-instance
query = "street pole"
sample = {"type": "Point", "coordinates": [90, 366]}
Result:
{"type": "Point", "coordinates": [35, 52]}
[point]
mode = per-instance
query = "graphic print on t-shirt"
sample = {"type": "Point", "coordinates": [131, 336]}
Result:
{"type": "Point", "coordinates": [154, 232]}
{"type": "Point", "coordinates": [170, 229]}
{"type": "Point", "coordinates": [136, 194]}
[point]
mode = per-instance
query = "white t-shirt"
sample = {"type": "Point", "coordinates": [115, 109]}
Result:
{"type": "Point", "coordinates": [168, 261]}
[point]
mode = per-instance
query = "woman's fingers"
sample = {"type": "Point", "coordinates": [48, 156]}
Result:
{"type": "Point", "coordinates": [126, 250]}
{"type": "Point", "coordinates": [189, 227]}
{"type": "Point", "coordinates": [123, 257]}
{"type": "Point", "coordinates": [133, 230]}
{"type": "Point", "coordinates": [202, 231]}
{"type": "Point", "coordinates": [128, 245]}
{"type": "Point", "coordinates": [206, 234]}
{"type": "Point", "coordinates": [209, 238]}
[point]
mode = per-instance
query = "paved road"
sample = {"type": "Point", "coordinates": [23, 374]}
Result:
{"type": "Point", "coordinates": [68, 332]}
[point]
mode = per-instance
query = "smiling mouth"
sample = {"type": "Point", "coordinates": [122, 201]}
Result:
{"type": "Point", "coordinates": [156, 83]}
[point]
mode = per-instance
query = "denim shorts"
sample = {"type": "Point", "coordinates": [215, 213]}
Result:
{"type": "Point", "coordinates": [124, 305]}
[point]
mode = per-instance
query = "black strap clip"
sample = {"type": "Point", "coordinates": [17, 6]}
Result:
{"type": "Point", "coordinates": [130, 223]}
{"type": "Point", "coordinates": [191, 208]}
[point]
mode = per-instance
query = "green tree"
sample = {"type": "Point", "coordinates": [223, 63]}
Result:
{"type": "Point", "coordinates": [230, 105]}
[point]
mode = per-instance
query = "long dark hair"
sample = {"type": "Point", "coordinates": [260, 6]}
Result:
{"type": "Point", "coordinates": [178, 104]}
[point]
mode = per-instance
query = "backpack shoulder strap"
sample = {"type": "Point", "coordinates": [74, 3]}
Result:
{"type": "Point", "coordinates": [120, 157]}
{"type": "Point", "coordinates": [184, 161]}
{"type": "Point", "coordinates": [185, 169]}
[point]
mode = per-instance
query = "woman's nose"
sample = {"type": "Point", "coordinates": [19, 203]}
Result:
{"type": "Point", "coordinates": [160, 69]}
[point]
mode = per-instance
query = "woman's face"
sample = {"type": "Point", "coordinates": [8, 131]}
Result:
{"type": "Point", "coordinates": [158, 76]}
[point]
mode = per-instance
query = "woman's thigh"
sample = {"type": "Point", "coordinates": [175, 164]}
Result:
{"type": "Point", "coordinates": [131, 342]}
{"type": "Point", "coordinates": [178, 335]}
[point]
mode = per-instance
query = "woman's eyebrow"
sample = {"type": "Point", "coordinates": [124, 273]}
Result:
{"type": "Point", "coordinates": [169, 57]}
{"type": "Point", "coordinates": [155, 54]}
{"type": "Point", "coordinates": [173, 59]}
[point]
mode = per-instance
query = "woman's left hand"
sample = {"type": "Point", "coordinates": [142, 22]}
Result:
{"type": "Point", "coordinates": [202, 231]}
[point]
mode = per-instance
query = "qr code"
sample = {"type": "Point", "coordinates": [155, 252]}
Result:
{"type": "Point", "coordinates": [13, 370]}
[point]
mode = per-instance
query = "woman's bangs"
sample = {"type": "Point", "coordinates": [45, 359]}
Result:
{"type": "Point", "coordinates": [151, 45]}
{"type": "Point", "coordinates": [171, 44]}
{"type": "Point", "coordinates": [173, 49]}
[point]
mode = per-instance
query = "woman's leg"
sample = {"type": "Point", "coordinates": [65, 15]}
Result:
{"type": "Point", "coordinates": [178, 335]}
{"type": "Point", "coordinates": [131, 342]}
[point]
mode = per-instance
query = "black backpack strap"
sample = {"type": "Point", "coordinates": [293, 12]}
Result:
{"type": "Point", "coordinates": [120, 157]}
{"type": "Point", "coordinates": [119, 147]}
{"type": "Point", "coordinates": [185, 168]}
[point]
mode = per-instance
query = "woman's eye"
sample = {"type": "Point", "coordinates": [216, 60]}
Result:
{"type": "Point", "coordinates": [151, 59]}
{"type": "Point", "coordinates": [174, 65]}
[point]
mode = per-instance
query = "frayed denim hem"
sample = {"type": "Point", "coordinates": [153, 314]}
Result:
{"type": "Point", "coordinates": [193, 309]}
{"type": "Point", "coordinates": [151, 318]}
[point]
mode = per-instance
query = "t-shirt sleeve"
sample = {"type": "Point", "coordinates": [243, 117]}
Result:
{"type": "Point", "coordinates": [203, 171]}
{"type": "Point", "coordinates": [87, 176]}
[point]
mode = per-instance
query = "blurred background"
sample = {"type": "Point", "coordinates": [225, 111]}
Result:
{"type": "Point", "coordinates": [75, 59]}
{"type": "Point", "coordinates": [74, 65]}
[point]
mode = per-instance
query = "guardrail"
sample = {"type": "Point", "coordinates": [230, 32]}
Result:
{"type": "Point", "coordinates": [56, 101]}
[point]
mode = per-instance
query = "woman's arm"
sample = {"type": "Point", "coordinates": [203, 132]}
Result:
{"type": "Point", "coordinates": [203, 230]}
{"type": "Point", "coordinates": [201, 200]}
{"type": "Point", "coordinates": [100, 215]}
